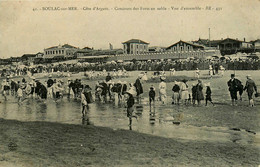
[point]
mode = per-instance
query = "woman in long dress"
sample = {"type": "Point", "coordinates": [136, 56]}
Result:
{"type": "Point", "coordinates": [184, 91]}
{"type": "Point", "coordinates": [162, 90]}
{"type": "Point", "coordinates": [199, 94]}
{"type": "Point", "coordinates": [145, 78]}
{"type": "Point", "coordinates": [210, 71]}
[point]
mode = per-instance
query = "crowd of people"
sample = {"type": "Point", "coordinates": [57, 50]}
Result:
{"type": "Point", "coordinates": [155, 65]}
{"type": "Point", "coordinates": [121, 92]}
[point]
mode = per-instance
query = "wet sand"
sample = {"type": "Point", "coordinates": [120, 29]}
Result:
{"type": "Point", "coordinates": [205, 136]}
{"type": "Point", "coordinates": [55, 144]}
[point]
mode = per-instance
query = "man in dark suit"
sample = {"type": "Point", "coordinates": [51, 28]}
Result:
{"type": "Point", "coordinates": [234, 85]}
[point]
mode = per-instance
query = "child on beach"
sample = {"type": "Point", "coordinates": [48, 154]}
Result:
{"type": "Point", "coordinates": [20, 94]}
{"type": "Point", "coordinates": [151, 95]}
{"type": "Point", "coordinates": [130, 101]}
{"type": "Point", "coordinates": [84, 99]}
{"type": "Point", "coordinates": [208, 94]}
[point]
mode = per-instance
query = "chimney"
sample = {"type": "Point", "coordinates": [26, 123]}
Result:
{"type": "Point", "coordinates": [244, 39]}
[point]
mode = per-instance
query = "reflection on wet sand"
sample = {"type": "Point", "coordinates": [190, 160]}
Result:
{"type": "Point", "coordinates": [166, 121]}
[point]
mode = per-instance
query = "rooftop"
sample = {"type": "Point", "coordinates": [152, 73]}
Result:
{"type": "Point", "coordinates": [135, 41]}
{"type": "Point", "coordinates": [190, 43]}
{"type": "Point", "coordinates": [63, 46]}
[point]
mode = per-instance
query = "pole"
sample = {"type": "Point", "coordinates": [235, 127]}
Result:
{"type": "Point", "coordinates": [209, 38]}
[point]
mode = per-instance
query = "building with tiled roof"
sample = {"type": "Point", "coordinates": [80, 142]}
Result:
{"type": "Point", "coordinates": [65, 51]}
{"type": "Point", "coordinates": [135, 46]}
{"type": "Point", "coordinates": [232, 46]}
{"type": "Point", "coordinates": [184, 46]}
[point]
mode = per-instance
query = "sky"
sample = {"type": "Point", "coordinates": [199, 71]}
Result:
{"type": "Point", "coordinates": [24, 30]}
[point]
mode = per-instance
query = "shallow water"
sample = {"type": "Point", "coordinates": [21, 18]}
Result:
{"type": "Point", "coordinates": [165, 121]}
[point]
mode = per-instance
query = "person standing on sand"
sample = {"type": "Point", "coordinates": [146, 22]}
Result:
{"type": "Point", "coordinates": [84, 102]}
{"type": "Point", "coordinates": [210, 71]}
{"type": "Point", "coordinates": [130, 101]}
{"type": "Point", "coordinates": [199, 95]}
{"type": "Point", "coordinates": [138, 86]}
{"type": "Point", "coordinates": [176, 93]}
{"type": "Point", "coordinates": [151, 95]}
{"type": "Point", "coordinates": [233, 85]}
{"type": "Point", "coordinates": [222, 70]}
{"type": "Point", "coordinates": [193, 93]}
{"type": "Point", "coordinates": [108, 77]}
{"type": "Point", "coordinates": [208, 94]}
{"type": "Point", "coordinates": [20, 94]}
{"type": "Point", "coordinates": [184, 91]}
{"type": "Point", "coordinates": [162, 90]}
{"type": "Point", "coordinates": [50, 82]}
{"type": "Point", "coordinates": [250, 88]}
{"type": "Point", "coordinates": [145, 78]}
{"type": "Point", "coordinates": [5, 88]}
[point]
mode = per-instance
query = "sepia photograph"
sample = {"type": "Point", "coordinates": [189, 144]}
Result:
{"type": "Point", "coordinates": [129, 83]}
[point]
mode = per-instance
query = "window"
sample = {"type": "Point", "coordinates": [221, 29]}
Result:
{"type": "Point", "coordinates": [62, 51]}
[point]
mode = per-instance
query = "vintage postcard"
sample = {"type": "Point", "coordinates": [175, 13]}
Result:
{"type": "Point", "coordinates": [129, 83]}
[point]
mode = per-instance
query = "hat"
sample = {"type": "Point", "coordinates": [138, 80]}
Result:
{"type": "Point", "coordinates": [140, 75]}
{"type": "Point", "coordinates": [207, 84]}
{"type": "Point", "coordinates": [162, 78]}
{"type": "Point", "coordinates": [130, 92]}
{"type": "Point", "coordinates": [87, 87]}
{"type": "Point", "coordinates": [249, 76]}
{"type": "Point", "coordinates": [184, 80]}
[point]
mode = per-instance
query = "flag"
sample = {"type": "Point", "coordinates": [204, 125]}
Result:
{"type": "Point", "coordinates": [110, 46]}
